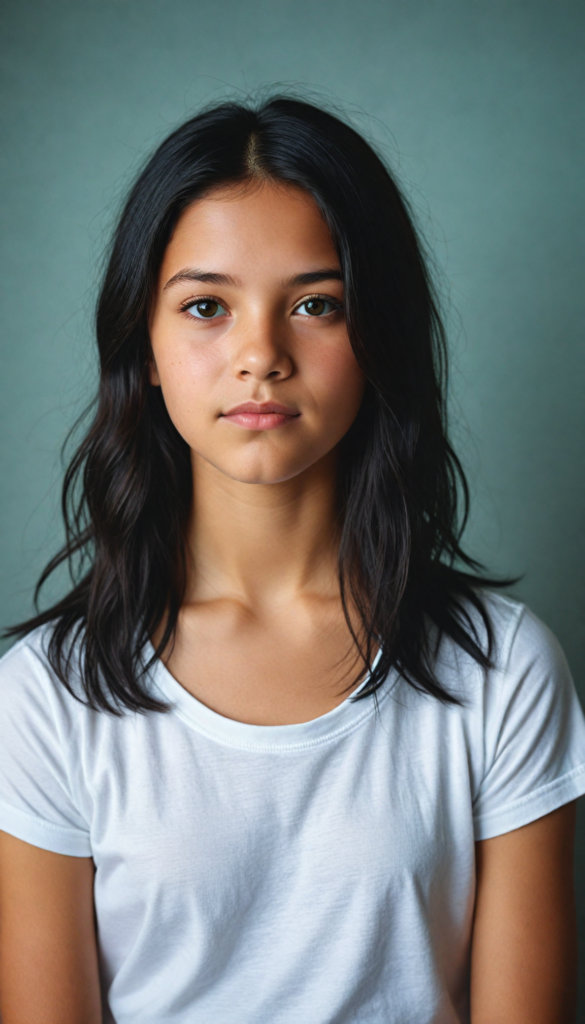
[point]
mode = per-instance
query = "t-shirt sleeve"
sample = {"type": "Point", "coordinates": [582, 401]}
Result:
{"type": "Point", "coordinates": [36, 800]}
{"type": "Point", "coordinates": [534, 734]}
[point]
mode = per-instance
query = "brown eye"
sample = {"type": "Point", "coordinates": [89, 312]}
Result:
{"type": "Point", "coordinates": [206, 309]}
{"type": "Point", "coordinates": [316, 307]}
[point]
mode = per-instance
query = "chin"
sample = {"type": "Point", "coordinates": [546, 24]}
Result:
{"type": "Point", "coordinates": [260, 471]}
{"type": "Point", "coordinates": [249, 467]}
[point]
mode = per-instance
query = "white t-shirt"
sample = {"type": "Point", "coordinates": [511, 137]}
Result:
{"type": "Point", "coordinates": [320, 872]}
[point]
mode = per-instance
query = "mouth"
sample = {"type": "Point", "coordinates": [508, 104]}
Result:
{"type": "Point", "coordinates": [261, 415]}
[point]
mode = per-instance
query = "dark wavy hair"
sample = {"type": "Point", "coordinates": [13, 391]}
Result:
{"type": "Point", "coordinates": [403, 499]}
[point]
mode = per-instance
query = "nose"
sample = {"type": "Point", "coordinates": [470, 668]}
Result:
{"type": "Point", "coordinates": [260, 352]}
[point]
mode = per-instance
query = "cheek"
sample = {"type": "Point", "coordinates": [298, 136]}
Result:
{"type": "Point", "coordinates": [187, 380]}
{"type": "Point", "coordinates": [339, 382]}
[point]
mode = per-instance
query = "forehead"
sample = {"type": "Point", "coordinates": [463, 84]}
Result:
{"type": "Point", "coordinates": [269, 227]}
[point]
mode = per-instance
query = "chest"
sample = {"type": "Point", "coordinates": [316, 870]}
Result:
{"type": "Point", "coordinates": [292, 665]}
{"type": "Point", "coordinates": [313, 869]}
{"type": "Point", "coordinates": [368, 818]}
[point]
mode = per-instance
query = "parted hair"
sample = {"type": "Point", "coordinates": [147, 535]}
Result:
{"type": "Point", "coordinates": [402, 494]}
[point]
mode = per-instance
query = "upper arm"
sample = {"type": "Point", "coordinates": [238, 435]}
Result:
{"type": "Point", "coordinates": [48, 953]}
{"type": "Point", "coordinates": [524, 949]}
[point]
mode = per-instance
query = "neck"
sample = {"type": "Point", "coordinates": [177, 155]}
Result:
{"type": "Point", "coordinates": [261, 542]}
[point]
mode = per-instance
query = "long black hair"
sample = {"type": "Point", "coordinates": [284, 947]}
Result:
{"type": "Point", "coordinates": [403, 498]}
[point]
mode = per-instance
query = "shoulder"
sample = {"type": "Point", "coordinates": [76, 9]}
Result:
{"type": "Point", "coordinates": [521, 643]}
{"type": "Point", "coordinates": [527, 690]}
{"type": "Point", "coordinates": [519, 726]}
{"type": "Point", "coordinates": [533, 742]}
{"type": "Point", "coordinates": [28, 682]}
{"type": "Point", "coordinates": [26, 662]}
{"type": "Point", "coordinates": [526, 654]}
{"type": "Point", "coordinates": [519, 634]}
{"type": "Point", "coordinates": [41, 747]}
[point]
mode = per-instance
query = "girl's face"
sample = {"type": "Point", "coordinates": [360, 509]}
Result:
{"type": "Point", "coordinates": [249, 340]}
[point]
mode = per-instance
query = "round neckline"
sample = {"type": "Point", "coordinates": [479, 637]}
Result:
{"type": "Point", "coordinates": [344, 718]}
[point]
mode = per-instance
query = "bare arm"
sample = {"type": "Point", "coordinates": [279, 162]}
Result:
{"type": "Point", "coordinates": [48, 954]}
{"type": "Point", "coordinates": [524, 952]}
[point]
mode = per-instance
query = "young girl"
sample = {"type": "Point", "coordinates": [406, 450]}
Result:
{"type": "Point", "coordinates": [279, 756]}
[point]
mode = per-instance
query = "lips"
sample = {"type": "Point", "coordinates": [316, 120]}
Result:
{"type": "Point", "coordinates": [261, 415]}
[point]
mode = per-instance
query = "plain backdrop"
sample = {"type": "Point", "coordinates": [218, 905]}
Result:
{"type": "Point", "coordinates": [477, 106]}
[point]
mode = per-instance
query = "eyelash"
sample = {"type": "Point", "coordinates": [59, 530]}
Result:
{"type": "Point", "coordinates": [338, 306]}
{"type": "Point", "coordinates": [186, 305]}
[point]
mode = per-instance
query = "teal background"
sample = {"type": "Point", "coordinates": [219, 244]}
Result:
{"type": "Point", "coordinates": [478, 107]}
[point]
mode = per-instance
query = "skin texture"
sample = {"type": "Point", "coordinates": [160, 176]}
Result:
{"type": "Point", "coordinates": [524, 953]}
{"type": "Point", "coordinates": [262, 637]}
{"type": "Point", "coordinates": [48, 959]}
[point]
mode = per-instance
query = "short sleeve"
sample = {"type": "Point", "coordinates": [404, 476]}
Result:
{"type": "Point", "coordinates": [534, 734]}
{"type": "Point", "coordinates": [36, 802]}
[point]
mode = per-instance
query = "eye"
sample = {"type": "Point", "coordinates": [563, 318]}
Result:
{"type": "Point", "coordinates": [317, 307]}
{"type": "Point", "coordinates": [205, 309]}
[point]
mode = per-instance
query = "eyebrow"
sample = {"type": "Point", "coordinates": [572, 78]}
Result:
{"type": "Point", "coordinates": [315, 276]}
{"type": "Point", "coordinates": [210, 277]}
{"type": "Point", "coordinates": [205, 276]}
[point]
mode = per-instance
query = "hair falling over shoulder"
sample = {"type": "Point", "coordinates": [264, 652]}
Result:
{"type": "Point", "coordinates": [403, 498]}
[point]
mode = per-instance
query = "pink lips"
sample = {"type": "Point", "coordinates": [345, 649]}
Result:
{"type": "Point", "coordinates": [260, 415]}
